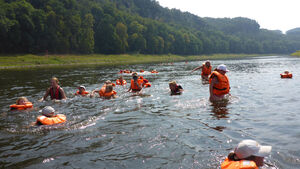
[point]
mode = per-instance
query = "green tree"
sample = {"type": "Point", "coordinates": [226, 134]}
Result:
{"type": "Point", "coordinates": [121, 31]}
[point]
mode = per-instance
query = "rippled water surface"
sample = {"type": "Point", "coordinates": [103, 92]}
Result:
{"type": "Point", "coordinates": [154, 130]}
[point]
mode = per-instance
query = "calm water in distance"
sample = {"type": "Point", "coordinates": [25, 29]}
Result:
{"type": "Point", "coordinates": [154, 130]}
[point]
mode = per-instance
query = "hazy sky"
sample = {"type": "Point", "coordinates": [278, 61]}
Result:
{"type": "Point", "coordinates": [270, 14]}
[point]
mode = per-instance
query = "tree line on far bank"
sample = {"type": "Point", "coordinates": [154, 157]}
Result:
{"type": "Point", "coordinates": [129, 26]}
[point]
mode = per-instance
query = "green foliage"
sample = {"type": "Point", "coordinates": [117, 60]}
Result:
{"type": "Point", "coordinates": [129, 26]}
{"type": "Point", "coordinates": [296, 53]}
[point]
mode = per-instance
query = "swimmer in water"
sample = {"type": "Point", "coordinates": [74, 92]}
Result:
{"type": "Point", "coordinates": [82, 91]}
{"type": "Point", "coordinates": [121, 81]}
{"type": "Point", "coordinates": [206, 69]}
{"type": "Point", "coordinates": [102, 91]}
{"type": "Point", "coordinates": [55, 91]}
{"type": "Point", "coordinates": [21, 104]}
{"type": "Point", "coordinates": [175, 89]}
{"type": "Point", "coordinates": [218, 84]}
{"type": "Point", "coordinates": [136, 83]}
{"type": "Point", "coordinates": [49, 117]}
{"type": "Point", "coordinates": [247, 154]}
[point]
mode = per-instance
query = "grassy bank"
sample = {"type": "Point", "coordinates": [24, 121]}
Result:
{"type": "Point", "coordinates": [296, 53]}
{"type": "Point", "coordinates": [27, 61]}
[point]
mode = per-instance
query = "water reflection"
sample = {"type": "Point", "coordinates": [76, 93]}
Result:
{"type": "Point", "coordinates": [219, 109]}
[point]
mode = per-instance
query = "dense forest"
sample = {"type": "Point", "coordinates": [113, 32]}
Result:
{"type": "Point", "coordinates": [129, 26]}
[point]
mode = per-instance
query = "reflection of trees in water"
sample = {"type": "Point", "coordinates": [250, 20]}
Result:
{"type": "Point", "coordinates": [219, 109]}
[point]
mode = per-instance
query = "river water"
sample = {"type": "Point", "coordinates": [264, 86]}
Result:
{"type": "Point", "coordinates": [153, 130]}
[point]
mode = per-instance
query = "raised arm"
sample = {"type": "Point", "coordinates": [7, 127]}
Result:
{"type": "Point", "coordinates": [197, 68]}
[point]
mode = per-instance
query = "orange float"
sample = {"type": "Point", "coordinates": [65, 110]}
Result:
{"type": "Point", "coordinates": [21, 107]}
{"type": "Point", "coordinates": [59, 118]}
{"type": "Point", "coordinates": [289, 75]}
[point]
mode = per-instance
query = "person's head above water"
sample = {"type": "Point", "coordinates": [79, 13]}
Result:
{"type": "Point", "coordinates": [108, 88]}
{"type": "Point", "coordinates": [48, 111]}
{"type": "Point", "coordinates": [21, 101]}
{"type": "Point", "coordinates": [172, 85]}
{"type": "Point", "coordinates": [134, 75]}
{"type": "Point", "coordinates": [81, 88]}
{"type": "Point", "coordinates": [107, 82]}
{"type": "Point", "coordinates": [286, 72]}
{"type": "Point", "coordinates": [54, 82]}
{"type": "Point", "coordinates": [222, 69]}
{"type": "Point", "coordinates": [207, 63]}
{"type": "Point", "coordinates": [252, 150]}
{"type": "Point", "coordinates": [247, 148]}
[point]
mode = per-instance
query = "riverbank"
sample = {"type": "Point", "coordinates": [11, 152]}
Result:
{"type": "Point", "coordinates": [296, 53]}
{"type": "Point", "coordinates": [30, 61]}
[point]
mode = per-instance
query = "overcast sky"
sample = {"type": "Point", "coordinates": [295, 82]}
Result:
{"type": "Point", "coordinates": [270, 14]}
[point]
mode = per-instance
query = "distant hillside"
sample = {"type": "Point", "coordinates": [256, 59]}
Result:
{"type": "Point", "coordinates": [129, 26]}
{"type": "Point", "coordinates": [295, 31]}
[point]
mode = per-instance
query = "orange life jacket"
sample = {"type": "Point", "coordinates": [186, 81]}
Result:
{"type": "Point", "coordinates": [102, 90]}
{"type": "Point", "coordinates": [242, 164]}
{"type": "Point", "coordinates": [147, 84]}
{"type": "Point", "coordinates": [21, 107]}
{"type": "Point", "coordinates": [57, 95]}
{"type": "Point", "coordinates": [145, 80]}
{"type": "Point", "coordinates": [59, 118]}
{"type": "Point", "coordinates": [109, 94]}
{"type": "Point", "coordinates": [119, 83]}
{"type": "Point", "coordinates": [154, 71]}
{"type": "Point", "coordinates": [223, 86]}
{"type": "Point", "coordinates": [206, 71]}
{"type": "Point", "coordinates": [142, 71]}
{"type": "Point", "coordinates": [286, 75]}
{"type": "Point", "coordinates": [134, 86]}
{"type": "Point", "coordinates": [82, 94]}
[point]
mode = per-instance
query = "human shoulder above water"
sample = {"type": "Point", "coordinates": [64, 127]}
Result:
{"type": "Point", "coordinates": [55, 91]}
{"type": "Point", "coordinates": [22, 103]}
{"type": "Point", "coordinates": [205, 69]}
{"type": "Point", "coordinates": [82, 91]}
{"type": "Point", "coordinates": [175, 88]}
{"type": "Point", "coordinates": [49, 117]}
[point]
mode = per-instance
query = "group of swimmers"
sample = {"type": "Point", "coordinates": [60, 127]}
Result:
{"type": "Point", "coordinates": [248, 153]}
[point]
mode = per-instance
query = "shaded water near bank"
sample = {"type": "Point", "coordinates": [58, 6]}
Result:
{"type": "Point", "coordinates": [154, 130]}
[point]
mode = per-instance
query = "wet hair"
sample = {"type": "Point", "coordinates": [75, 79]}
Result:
{"type": "Point", "coordinates": [172, 82]}
{"type": "Point", "coordinates": [55, 79]}
{"type": "Point", "coordinates": [21, 98]}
